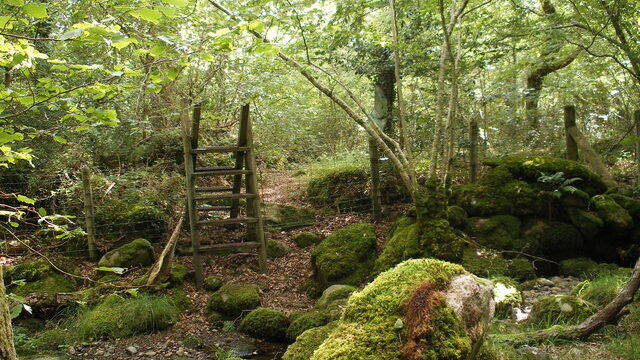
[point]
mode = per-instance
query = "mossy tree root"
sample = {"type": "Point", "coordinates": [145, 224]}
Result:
{"type": "Point", "coordinates": [609, 314]}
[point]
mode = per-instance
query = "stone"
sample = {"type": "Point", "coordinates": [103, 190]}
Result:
{"type": "Point", "coordinates": [231, 300]}
{"type": "Point", "coordinates": [287, 217]}
{"type": "Point", "coordinates": [139, 252]}
{"type": "Point", "coordinates": [131, 350]}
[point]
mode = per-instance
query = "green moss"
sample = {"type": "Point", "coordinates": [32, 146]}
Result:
{"type": "Point", "coordinates": [484, 263]}
{"type": "Point", "coordinates": [613, 214]}
{"type": "Point", "coordinates": [179, 298]}
{"type": "Point", "coordinates": [500, 232]}
{"type": "Point", "coordinates": [346, 256]}
{"type": "Point", "coordinates": [530, 168]}
{"type": "Point", "coordinates": [521, 269]}
{"type": "Point", "coordinates": [265, 324]}
{"type": "Point", "coordinates": [506, 295]}
{"type": "Point", "coordinates": [306, 239]}
{"type": "Point", "coordinates": [116, 317]}
{"type": "Point", "coordinates": [515, 197]}
{"type": "Point", "coordinates": [212, 283]}
{"type": "Point", "coordinates": [366, 329]}
{"type": "Point", "coordinates": [305, 322]}
{"type": "Point", "coordinates": [128, 219]}
{"type": "Point", "coordinates": [288, 217]}
{"type": "Point", "coordinates": [340, 186]}
{"type": "Point", "coordinates": [138, 252]}
{"type": "Point", "coordinates": [587, 222]}
{"type": "Point", "coordinates": [40, 277]}
{"type": "Point", "coordinates": [28, 271]}
{"type": "Point", "coordinates": [555, 239]}
{"type": "Point", "coordinates": [51, 284]}
{"type": "Point", "coordinates": [577, 267]}
{"type": "Point", "coordinates": [307, 343]}
{"type": "Point", "coordinates": [276, 249]}
{"type": "Point", "coordinates": [232, 300]}
{"type": "Point", "coordinates": [51, 339]}
{"type": "Point", "coordinates": [457, 217]}
{"type": "Point", "coordinates": [333, 293]}
{"type": "Point", "coordinates": [403, 243]}
{"type": "Point", "coordinates": [178, 274]}
{"type": "Point", "coordinates": [628, 203]}
{"type": "Point", "coordinates": [560, 309]}
{"type": "Point", "coordinates": [577, 199]}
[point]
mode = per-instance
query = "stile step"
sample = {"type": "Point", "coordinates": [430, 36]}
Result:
{"type": "Point", "coordinates": [223, 248]}
{"type": "Point", "coordinates": [221, 172]}
{"type": "Point", "coordinates": [213, 189]}
{"type": "Point", "coordinates": [225, 196]}
{"type": "Point", "coordinates": [218, 149]}
{"type": "Point", "coordinates": [213, 208]}
{"type": "Point", "coordinates": [240, 220]}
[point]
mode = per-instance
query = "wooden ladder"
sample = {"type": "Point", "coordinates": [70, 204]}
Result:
{"type": "Point", "coordinates": [245, 164]}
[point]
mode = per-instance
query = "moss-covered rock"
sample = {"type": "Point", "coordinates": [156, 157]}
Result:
{"type": "Point", "coordinates": [232, 300]}
{"type": "Point", "coordinates": [630, 204]}
{"type": "Point", "coordinates": [307, 343]}
{"type": "Point", "coordinates": [500, 232]}
{"type": "Point", "coordinates": [409, 239]}
{"type": "Point", "coordinates": [287, 217]}
{"type": "Point", "coordinates": [346, 256]}
{"type": "Point", "coordinates": [521, 269]}
{"type": "Point", "coordinates": [587, 222]}
{"type": "Point", "coordinates": [386, 311]}
{"type": "Point", "coordinates": [333, 293]}
{"type": "Point", "coordinates": [178, 274]}
{"type": "Point", "coordinates": [560, 309]}
{"type": "Point", "coordinates": [305, 322]}
{"type": "Point", "coordinates": [277, 249]}
{"type": "Point", "coordinates": [484, 263]}
{"type": "Point", "coordinates": [212, 283]}
{"type": "Point", "coordinates": [506, 295]}
{"type": "Point", "coordinates": [615, 216]}
{"type": "Point", "coordinates": [138, 252]}
{"type": "Point", "coordinates": [305, 239]}
{"type": "Point", "coordinates": [123, 218]}
{"type": "Point", "coordinates": [457, 217]}
{"type": "Point", "coordinates": [266, 324]}
{"type": "Point", "coordinates": [40, 277]}
{"type": "Point", "coordinates": [577, 266]}
{"type": "Point", "coordinates": [556, 240]}
{"type": "Point", "coordinates": [116, 317]}
{"type": "Point", "coordinates": [489, 198]}
{"type": "Point", "coordinates": [577, 199]}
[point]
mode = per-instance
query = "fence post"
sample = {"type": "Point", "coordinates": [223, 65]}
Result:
{"type": "Point", "coordinates": [89, 214]}
{"type": "Point", "coordinates": [570, 122]}
{"type": "Point", "coordinates": [636, 117]}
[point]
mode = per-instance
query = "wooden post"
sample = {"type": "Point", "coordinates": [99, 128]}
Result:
{"type": "Point", "coordinates": [191, 192]}
{"type": "Point", "coordinates": [253, 203]}
{"type": "Point", "coordinates": [570, 122]}
{"type": "Point", "coordinates": [636, 118]}
{"type": "Point", "coordinates": [374, 162]}
{"type": "Point", "coordinates": [474, 133]}
{"type": "Point", "coordinates": [89, 214]}
{"type": "Point", "coordinates": [7, 350]}
{"type": "Point", "coordinates": [240, 161]}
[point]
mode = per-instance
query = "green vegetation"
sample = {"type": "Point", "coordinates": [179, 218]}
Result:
{"type": "Point", "coordinates": [305, 239]}
{"type": "Point", "coordinates": [231, 300]}
{"type": "Point", "coordinates": [265, 324]}
{"type": "Point", "coordinates": [577, 267]}
{"type": "Point", "coordinates": [212, 283]}
{"type": "Point", "coordinates": [305, 322]}
{"type": "Point", "coordinates": [40, 276]}
{"type": "Point", "coordinates": [287, 217]}
{"type": "Point", "coordinates": [560, 309]}
{"type": "Point", "coordinates": [276, 249]}
{"type": "Point", "coordinates": [307, 343]}
{"type": "Point", "coordinates": [139, 252]}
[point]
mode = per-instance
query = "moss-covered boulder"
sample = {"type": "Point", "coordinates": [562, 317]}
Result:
{"type": "Point", "coordinates": [232, 300]}
{"type": "Point", "coordinates": [287, 217]}
{"type": "Point", "coordinates": [409, 239]}
{"type": "Point", "coordinates": [123, 218]}
{"type": "Point", "coordinates": [560, 309]}
{"type": "Point", "coordinates": [266, 324]}
{"type": "Point", "coordinates": [419, 302]}
{"type": "Point", "coordinates": [500, 232]}
{"type": "Point", "coordinates": [307, 343]}
{"type": "Point", "coordinates": [587, 222]}
{"type": "Point", "coordinates": [178, 274]}
{"type": "Point", "coordinates": [277, 249]}
{"type": "Point", "coordinates": [345, 257]}
{"type": "Point", "coordinates": [305, 239]}
{"type": "Point", "coordinates": [521, 269]}
{"type": "Point", "coordinates": [117, 317]}
{"type": "Point", "coordinates": [506, 295]}
{"type": "Point", "coordinates": [632, 205]}
{"type": "Point", "coordinates": [579, 267]}
{"type": "Point", "coordinates": [346, 187]}
{"type": "Point", "coordinates": [305, 322]}
{"type": "Point", "coordinates": [39, 277]}
{"type": "Point", "coordinates": [556, 240]}
{"type": "Point", "coordinates": [484, 263]}
{"type": "Point", "coordinates": [212, 283]}
{"type": "Point", "coordinates": [457, 217]}
{"type": "Point", "coordinates": [615, 216]}
{"type": "Point", "coordinates": [138, 252]}
{"type": "Point", "coordinates": [333, 293]}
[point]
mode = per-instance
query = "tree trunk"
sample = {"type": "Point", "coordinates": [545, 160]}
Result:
{"type": "Point", "coordinates": [636, 117]}
{"type": "Point", "coordinates": [591, 156]}
{"type": "Point", "coordinates": [7, 350]}
{"type": "Point", "coordinates": [374, 164]}
{"type": "Point", "coordinates": [162, 267]}
{"type": "Point", "coordinates": [473, 150]}
{"type": "Point", "coordinates": [569, 122]}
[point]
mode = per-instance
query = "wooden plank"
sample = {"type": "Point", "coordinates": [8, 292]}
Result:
{"type": "Point", "coordinates": [238, 220]}
{"type": "Point", "coordinates": [225, 196]}
{"type": "Point", "coordinates": [220, 172]}
{"type": "Point", "coordinates": [253, 204]}
{"type": "Point", "coordinates": [234, 247]}
{"type": "Point", "coordinates": [191, 193]}
{"type": "Point", "coordinates": [219, 149]}
{"type": "Point", "coordinates": [216, 168]}
{"type": "Point", "coordinates": [213, 189]}
{"type": "Point", "coordinates": [213, 208]}
{"type": "Point", "coordinates": [240, 161]}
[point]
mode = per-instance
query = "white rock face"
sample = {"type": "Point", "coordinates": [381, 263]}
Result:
{"type": "Point", "coordinates": [472, 299]}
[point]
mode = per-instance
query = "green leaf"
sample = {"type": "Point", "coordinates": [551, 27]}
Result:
{"type": "Point", "coordinates": [14, 224]}
{"type": "Point", "coordinates": [167, 11]}
{"type": "Point", "coordinates": [16, 310]}
{"type": "Point", "coordinates": [35, 10]}
{"type": "Point", "coordinates": [178, 3]}
{"type": "Point", "coordinates": [14, 2]}
{"type": "Point", "coordinates": [132, 292]}
{"type": "Point", "coordinates": [147, 14]}
{"type": "Point", "coordinates": [42, 212]}
{"type": "Point", "coordinates": [25, 199]}
{"type": "Point", "coordinates": [398, 324]}
{"type": "Point", "coordinates": [72, 34]}
{"type": "Point", "coordinates": [172, 74]}
{"type": "Point", "coordinates": [20, 282]}
{"type": "Point", "coordinates": [256, 25]}
{"type": "Point", "coordinates": [60, 139]}
{"type": "Point", "coordinates": [115, 270]}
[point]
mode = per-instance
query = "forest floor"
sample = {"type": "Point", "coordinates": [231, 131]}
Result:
{"type": "Point", "coordinates": [282, 289]}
